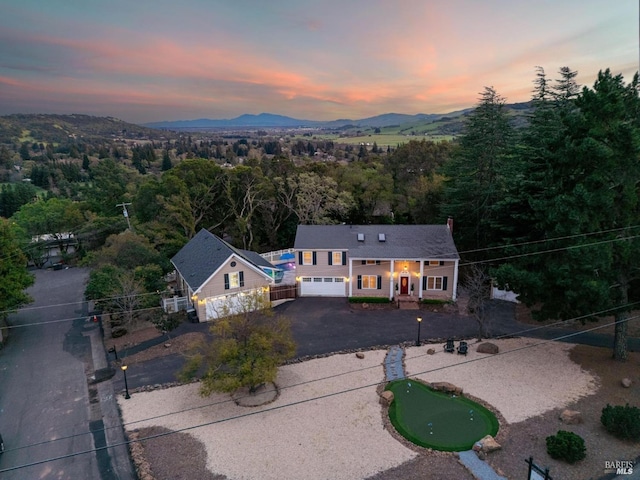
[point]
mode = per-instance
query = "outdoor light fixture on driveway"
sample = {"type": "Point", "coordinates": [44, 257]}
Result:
{"type": "Point", "coordinates": [419, 323]}
{"type": "Point", "coordinates": [126, 387]}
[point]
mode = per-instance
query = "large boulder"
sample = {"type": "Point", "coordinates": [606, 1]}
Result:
{"type": "Point", "coordinates": [446, 387]}
{"type": "Point", "coordinates": [487, 347]}
{"type": "Point", "coordinates": [386, 398]}
{"type": "Point", "coordinates": [570, 417]}
{"type": "Point", "coordinates": [489, 444]}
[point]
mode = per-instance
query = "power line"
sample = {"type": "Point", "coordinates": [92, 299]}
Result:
{"type": "Point", "coordinates": [319, 397]}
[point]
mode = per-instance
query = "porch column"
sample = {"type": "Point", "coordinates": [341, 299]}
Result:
{"type": "Point", "coordinates": [350, 277]}
{"type": "Point", "coordinates": [391, 280]}
{"type": "Point", "coordinates": [420, 279]}
{"type": "Point", "coordinates": [455, 280]}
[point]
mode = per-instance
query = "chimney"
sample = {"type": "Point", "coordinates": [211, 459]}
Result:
{"type": "Point", "coordinates": [450, 225]}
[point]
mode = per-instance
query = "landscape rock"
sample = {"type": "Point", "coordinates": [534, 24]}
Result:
{"type": "Point", "coordinates": [489, 444]}
{"type": "Point", "coordinates": [488, 347]}
{"type": "Point", "coordinates": [386, 398]}
{"type": "Point", "coordinates": [626, 382]}
{"type": "Point", "coordinates": [446, 387]}
{"type": "Point", "coordinates": [570, 417]}
{"type": "Point", "coordinates": [431, 351]}
{"type": "Point", "coordinates": [360, 355]}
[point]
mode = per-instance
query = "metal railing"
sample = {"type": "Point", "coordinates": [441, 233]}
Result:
{"type": "Point", "coordinates": [275, 256]}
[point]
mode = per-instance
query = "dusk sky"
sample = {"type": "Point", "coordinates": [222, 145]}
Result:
{"type": "Point", "coordinates": [153, 60]}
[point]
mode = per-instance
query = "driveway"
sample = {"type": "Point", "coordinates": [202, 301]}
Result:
{"type": "Point", "coordinates": [326, 325]}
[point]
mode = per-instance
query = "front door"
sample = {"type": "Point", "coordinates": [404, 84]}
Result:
{"type": "Point", "coordinates": [404, 285]}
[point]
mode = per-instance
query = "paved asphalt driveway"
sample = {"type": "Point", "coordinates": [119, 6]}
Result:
{"type": "Point", "coordinates": [326, 325]}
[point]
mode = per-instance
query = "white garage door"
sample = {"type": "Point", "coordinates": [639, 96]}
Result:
{"type": "Point", "coordinates": [322, 287]}
{"type": "Point", "coordinates": [226, 305]}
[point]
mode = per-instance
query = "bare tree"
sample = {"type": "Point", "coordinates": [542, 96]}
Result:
{"type": "Point", "coordinates": [477, 283]}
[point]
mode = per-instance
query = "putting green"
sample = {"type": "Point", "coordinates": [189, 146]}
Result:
{"type": "Point", "coordinates": [438, 420]}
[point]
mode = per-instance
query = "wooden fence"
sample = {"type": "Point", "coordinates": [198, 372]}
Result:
{"type": "Point", "coordinates": [281, 292]}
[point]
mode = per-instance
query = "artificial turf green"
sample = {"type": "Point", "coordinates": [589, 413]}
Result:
{"type": "Point", "coordinates": [438, 420]}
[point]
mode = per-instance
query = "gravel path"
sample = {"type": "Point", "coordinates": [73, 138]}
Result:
{"type": "Point", "coordinates": [342, 435]}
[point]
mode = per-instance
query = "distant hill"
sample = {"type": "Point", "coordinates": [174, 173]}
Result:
{"type": "Point", "coordinates": [268, 120]}
{"type": "Point", "coordinates": [58, 128]}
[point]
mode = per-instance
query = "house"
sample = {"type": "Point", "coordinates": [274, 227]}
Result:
{"type": "Point", "coordinates": [419, 261]}
{"type": "Point", "coordinates": [218, 279]}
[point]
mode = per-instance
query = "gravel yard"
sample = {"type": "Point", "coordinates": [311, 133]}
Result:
{"type": "Point", "coordinates": [343, 435]}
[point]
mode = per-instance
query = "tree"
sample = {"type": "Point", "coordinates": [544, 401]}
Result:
{"type": "Point", "coordinates": [476, 174]}
{"type": "Point", "coordinates": [13, 271]}
{"type": "Point", "coordinates": [56, 218]}
{"type": "Point", "coordinates": [477, 284]}
{"type": "Point", "coordinates": [317, 199]}
{"type": "Point", "coordinates": [166, 161]}
{"type": "Point", "coordinates": [246, 350]}
{"type": "Point", "coordinates": [580, 180]}
{"type": "Point", "coordinates": [115, 290]}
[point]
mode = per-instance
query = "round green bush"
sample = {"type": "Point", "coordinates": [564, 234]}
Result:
{"type": "Point", "coordinates": [566, 446]}
{"type": "Point", "coordinates": [622, 422]}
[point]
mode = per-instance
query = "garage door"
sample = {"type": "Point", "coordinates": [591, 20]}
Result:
{"type": "Point", "coordinates": [226, 305]}
{"type": "Point", "coordinates": [322, 287]}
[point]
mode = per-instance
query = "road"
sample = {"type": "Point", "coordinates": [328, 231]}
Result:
{"type": "Point", "coordinates": [49, 406]}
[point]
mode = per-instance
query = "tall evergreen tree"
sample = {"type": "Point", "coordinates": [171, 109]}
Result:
{"type": "Point", "coordinates": [476, 174]}
{"type": "Point", "coordinates": [580, 176]}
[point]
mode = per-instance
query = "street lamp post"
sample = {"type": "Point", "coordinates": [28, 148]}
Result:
{"type": "Point", "coordinates": [126, 387]}
{"type": "Point", "coordinates": [419, 323]}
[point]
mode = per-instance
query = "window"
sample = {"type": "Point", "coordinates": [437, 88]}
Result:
{"type": "Point", "coordinates": [306, 279]}
{"type": "Point", "coordinates": [434, 283]}
{"type": "Point", "coordinates": [369, 281]}
{"type": "Point", "coordinates": [434, 263]}
{"type": "Point", "coordinates": [338, 280]}
{"type": "Point", "coordinates": [233, 280]}
{"type": "Point", "coordinates": [328, 280]}
{"type": "Point", "coordinates": [371, 262]}
{"type": "Point", "coordinates": [307, 258]}
{"type": "Point", "coordinates": [337, 258]}
{"type": "Point", "coordinates": [317, 280]}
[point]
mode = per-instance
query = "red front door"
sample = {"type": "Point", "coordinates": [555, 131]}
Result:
{"type": "Point", "coordinates": [404, 285]}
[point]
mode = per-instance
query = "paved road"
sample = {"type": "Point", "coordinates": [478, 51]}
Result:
{"type": "Point", "coordinates": [48, 408]}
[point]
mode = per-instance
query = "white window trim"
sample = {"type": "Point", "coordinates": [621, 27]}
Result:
{"type": "Point", "coordinates": [337, 258]}
{"type": "Point", "coordinates": [371, 262]}
{"type": "Point", "coordinates": [434, 263]}
{"type": "Point", "coordinates": [435, 283]}
{"type": "Point", "coordinates": [369, 277]}
{"type": "Point", "coordinates": [304, 257]}
{"type": "Point", "coordinates": [234, 280]}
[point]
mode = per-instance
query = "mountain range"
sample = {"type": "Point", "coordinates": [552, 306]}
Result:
{"type": "Point", "coordinates": [269, 120]}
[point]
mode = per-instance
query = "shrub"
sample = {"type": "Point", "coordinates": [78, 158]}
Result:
{"type": "Point", "coordinates": [434, 301]}
{"type": "Point", "coordinates": [566, 446]}
{"type": "Point", "coordinates": [622, 422]}
{"type": "Point", "coordinates": [369, 300]}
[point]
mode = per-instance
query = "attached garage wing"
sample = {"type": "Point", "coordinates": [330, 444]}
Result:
{"type": "Point", "coordinates": [323, 287]}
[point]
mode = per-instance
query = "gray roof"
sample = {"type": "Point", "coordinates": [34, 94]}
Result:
{"type": "Point", "coordinates": [203, 255]}
{"type": "Point", "coordinates": [401, 241]}
{"type": "Point", "coordinates": [257, 259]}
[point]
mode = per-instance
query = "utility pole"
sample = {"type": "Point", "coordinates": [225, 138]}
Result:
{"type": "Point", "coordinates": [125, 213]}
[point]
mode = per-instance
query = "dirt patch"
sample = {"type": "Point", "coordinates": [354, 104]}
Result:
{"type": "Point", "coordinates": [168, 347]}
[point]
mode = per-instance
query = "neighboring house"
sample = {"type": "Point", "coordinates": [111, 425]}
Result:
{"type": "Point", "coordinates": [218, 279]}
{"type": "Point", "coordinates": [377, 261]}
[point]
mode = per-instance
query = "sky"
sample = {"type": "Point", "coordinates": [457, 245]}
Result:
{"type": "Point", "coordinates": [153, 60]}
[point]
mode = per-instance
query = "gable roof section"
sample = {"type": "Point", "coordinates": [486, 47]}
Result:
{"type": "Point", "coordinates": [203, 255]}
{"type": "Point", "coordinates": [400, 241]}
